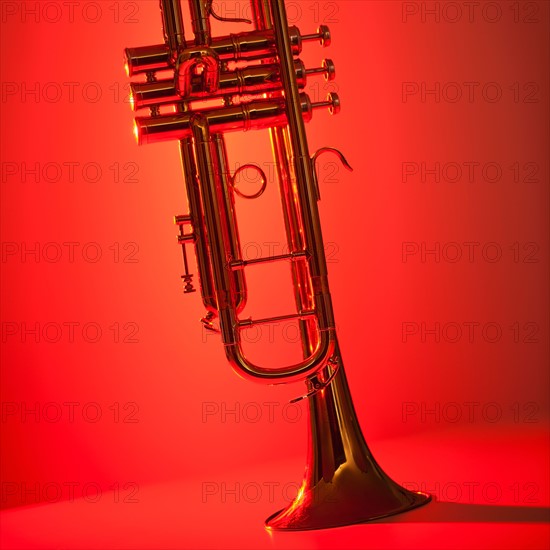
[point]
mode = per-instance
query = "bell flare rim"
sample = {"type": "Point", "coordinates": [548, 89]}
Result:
{"type": "Point", "coordinates": [420, 499]}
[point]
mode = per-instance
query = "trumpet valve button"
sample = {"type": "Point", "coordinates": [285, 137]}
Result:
{"type": "Point", "coordinates": [329, 69]}
{"type": "Point", "coordinates": [334, 100]}
{"type": "Point", "coordinates": [324, 36]}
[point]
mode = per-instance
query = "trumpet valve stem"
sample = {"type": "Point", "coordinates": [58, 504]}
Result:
{"type": "Point", "coordinates": [322, 34]}
{"type": "Point", "coordinates": [332, 102]}
{"type": "Point", "coordinates": [327, 69]}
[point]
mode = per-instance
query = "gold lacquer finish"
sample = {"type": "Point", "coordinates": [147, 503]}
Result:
{"type": "Point", "coordinates": [255, 79]}
{"type": "Point", "coordinates": [343, 484]}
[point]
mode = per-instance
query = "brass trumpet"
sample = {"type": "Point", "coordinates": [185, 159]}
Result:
{"type": "Point", "coordinates": [258, 79]}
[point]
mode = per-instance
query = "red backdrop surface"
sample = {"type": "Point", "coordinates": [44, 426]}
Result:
{"type": "Point", "coordinates": [438, 257]}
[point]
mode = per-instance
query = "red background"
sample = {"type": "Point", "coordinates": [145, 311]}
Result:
{"type": "Point", "coordinates": [161, 384]}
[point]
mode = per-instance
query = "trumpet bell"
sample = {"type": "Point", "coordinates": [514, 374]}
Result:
{"type": "Point", "coordinates": [343, 483]}
{"type": "Point", "coordinates": [353, 496]}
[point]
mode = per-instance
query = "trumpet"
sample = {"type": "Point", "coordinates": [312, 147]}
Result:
{"type": "Point", "coordinates": [257, 81]}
